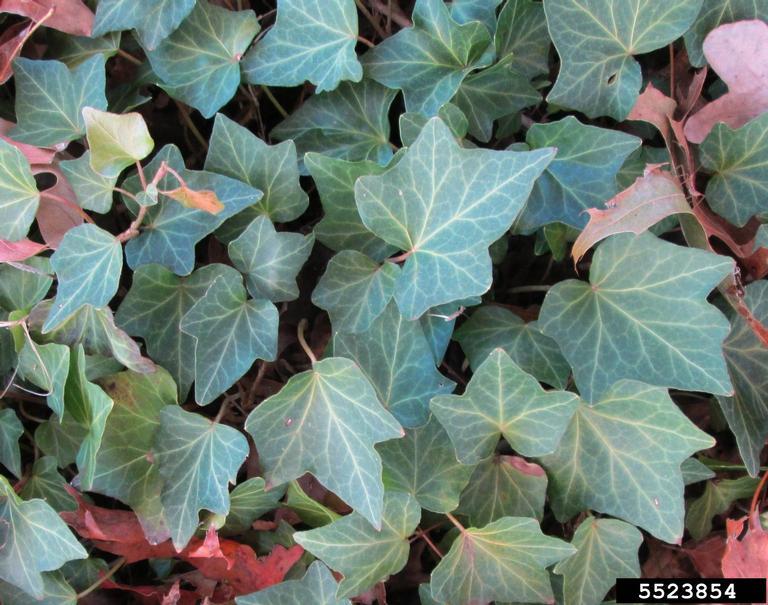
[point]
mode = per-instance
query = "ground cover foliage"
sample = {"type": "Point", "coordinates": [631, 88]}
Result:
{"type": "Point", "coordinates": [380, 301]}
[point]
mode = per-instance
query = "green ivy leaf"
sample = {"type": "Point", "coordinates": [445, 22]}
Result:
{"type": "Point", "coordinates": [196, 458]}
{"type": "Point", "coordinates": [88, 263]}
{"type": "Point", "coordinates": [412, 123]}
{"type": "Point", "coordinates": [152, 23]}
{"type": "Point", "coordinates": [646, 298]}
{"type": "Point", "coordinates": [153, 309]}
{"type": "Point", "coordinates": [717, 498]}
{"type": "Point", "coordinates": [445, 205]}
{"type": "Point", "coordinates": [47, 366]}
{"type": "Point", "coordinates": [504, 486]}
{"type": "Point", "coordinates": [737, 159]}
{"type": "Point", "coordinates": [464, 11]}
{"type": "Point", "coordinates": [316, 586]}
{"type": "Point", "coordinates": [199, 63]}
{"type": "Point", "coordinates": [56, 591]}
{"type": "Point", "coordinates": [582, 175]}
{"type": "Point", "coordinates": [429, 60]}
{"type": "Point", "coordinates": [311, 40]}
{"type": "Point", "coordinates": [396, 357]}
{"type": "Point", "coordinates": [116, 141]}
{"type": "Point", "coordinates": [310, 511]}
{"type": "Point", "coordinates": [363, 554]}
{"type": "Point", "coordinates": [11, 430]}
{"type": "Point", "coordinates": [93, 190]}
{"type": "Point", "coordinates": [355, 290]}
{"type": "Point", "coordinates": [46, 483]}
{"type": "Point", "coordinates": [503, 400]}
{"type": "Point", "coordinates": [300, 429]}
{"type": "Point", "coordinates": [50, 98]}
{"type": "Point", "coordinates": [236, 152]}
{"type": "Point", "coordinates": [596, 41]}
{"type": "Point", "coordinates": [492, 327]}
{"type": "Point", "coordinates": [606, 550]}
{"type": "Point", "coordinates": [19, 196]}
{"type": "Point", "coordinates": [36, 540]}
{"type": "Point", "coordinates": [424, 465]}
{"type": "Point", "coordinates": [73, 50]}
{"type": "Point", "coordinates": [231, 332]}
{"type": "Point", "coordinates": [522, 34]}
{"type": "Point", "coordinates": [23, 288]}
{"type": "Point", "coordinates": [694, 471]}
{"type": "Point", "coordinates": [636, 437]}
{"type": "Point", "coordinates": [270, 260]}
{"type": "Point", "coordinates": [249, 501]}
{"type": "Point", "coordinates": [503, 561]}
{"type": "Point", "coordinates": [350, 123]}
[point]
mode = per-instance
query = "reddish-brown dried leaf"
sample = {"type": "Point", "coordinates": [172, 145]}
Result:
{"type": "Point", "coordinates": [706, 556]}
{"type": "Point", "coordinates": [156, 595]}
{"type": "Point", "coordinates": [70, 16]}
{"type": "Point", "coordinates": [656, 108]}
{"type": "Point", "coordinates": [204, 200]}
{"type": "Point", "coordinates": [747, 556]}
{"type": "Point", "coordinates": [11, 41]}
{"type": "Point", "coordinates": [58, 211]}
{"type": "Point", "coordinates": [18, 251]}
{"type": "Point", "coordinates": [35, 155]}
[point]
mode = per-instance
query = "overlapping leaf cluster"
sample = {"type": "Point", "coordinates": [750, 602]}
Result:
{"type": "Point", "coordinates": [335, 299]}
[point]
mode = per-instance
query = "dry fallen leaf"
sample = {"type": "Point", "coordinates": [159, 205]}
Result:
{"type": "Point", "coordinates": [70, 16]}
{"type": "Point", "coordinates": [746, 557]}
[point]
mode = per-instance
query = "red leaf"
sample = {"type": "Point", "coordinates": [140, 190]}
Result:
{"type": "Point", "coordinates": [11, 41]}
{"type": "Point", "coordinates": [156, 595]}
{"type": "Point", "coordinates": [70, 16]}
{"type": "Point", "coordinates": [35, 155]}
{"type": "Point", "coordinates": [746, 557]}
{"type": "Point", "coordinates": [656, 108]}
{"type": "Point", "coordinates": [706, 556]}
{"type": "Point", "coordinates": [19, 251]}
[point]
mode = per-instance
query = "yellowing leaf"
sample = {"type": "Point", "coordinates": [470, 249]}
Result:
{"type": "Point", "coordinates": [116, 140]}
{"type": "Point", "coordinates": [204, 200]}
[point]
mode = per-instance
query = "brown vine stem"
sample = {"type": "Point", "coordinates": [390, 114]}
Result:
{"type": "Point", "coordinates": [365, 41]}
{"type": "Point", "coordinates": [274, 101]}
{"type": "Point", "coordinates": [129, 57]}
{"type": "Point", "coordinates": [455, 521]}
{"type": "Point", "coordinates": [184, 112]}
{"type": "Point", "coordinates": [110, 572]}
{"type": "Point", "coordinates": [142, 178]}
{"type": "Point", "coordinates": [302, 341]}
{"type": "Point", "coordinates": [400, 257]}
{"type": "Point", "coordinates": [421, 534]}
{"type": "Point", "coordinates": [524, 289]}
{"type": "Point", "coordinates": [133, 229]}
{"type": "Point", "coordinates": [756, 496]}
{"type": "Point", "coordinates": [367, 14]}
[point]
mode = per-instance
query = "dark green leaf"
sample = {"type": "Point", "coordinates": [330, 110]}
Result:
{"type": "Point", "coordinates": [717, 498]}
{"type": "Point", "coordinates": [11, 430]}
{"type": "Point", "coordinates": [152, 22]}
{"type": "Point", "coordinates": [46, 483]}
{"type": "Point", "coordinates": [249, 501]}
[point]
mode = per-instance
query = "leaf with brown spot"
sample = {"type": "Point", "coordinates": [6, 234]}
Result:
{"type": "Point", "coordinates": [204, 200]}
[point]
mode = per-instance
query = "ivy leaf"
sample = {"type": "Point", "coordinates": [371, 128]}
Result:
{"type": "Point", "coordinates": [411, 123]}
{"type": "Point", "coordinates": [88, 263]}
{"type": "Point", "coordinates": [50, 98]}
{"type": "Point", "coordinates": [717, 498]}
{"type": "Point", "coordinates": [694, 471]}
{"type": "Point", "coordinates": [747, 359]}
{"type": "Point", "coordinates": [424, 465]}
{"type": "Point", "coordinates": [199, 63]}
{"type": "Point", "coordinates": [93, 190]}
{"type": "Point", "coordinates": [56, 591]}
{"type": "Point", "coordinates": [429, 60]}
{"type": "Point", "coordinates": [22, 288]}
{"type": "Point", "coordinates": [36, 541]}
{"type": "Point", "coordinates": [350, 123]}
{"type": "Point", "coordinates": [316, 586]}
{"type": "Point", "coordinates": [492, 327]}
{"type": "Point", "coordinates": [249, 501]}
{"type": "Point", "coordinates": [231, 332]}
{"type": "Point", "coordinates": [445, 205]}
{"type": "Point", "coordinates": [123, 465]}
{"type": "Point", "coordinates": [647, 296]}
{"type": "Point", "coordinates": [204, 200]}
{"type": "Point", "coordinates": [46, 483]}
{"type": "Point", "coordinates": [73, 50]}
{"type": "Point", "coordinates": [464, 11]}
{"type": "Point", "coordinates": [363, 554]}
{"type": "Point", "coordinates": [503, 561]}
{"type": "Point", "coordinates": [522, 34]}
{"type": "Point", "coordinates": [300, 430]}
{"type": "Point", "coordinates": [310, 511]}
{"type": "Point", "coordinates": [152, 23]}
{"type": "Point", "coordinates": [396, 357]}
{"type": "Point", "coordinates": [236, 152]}
{"type": "Point", "coordinates": [19, 196]}
{"type": "Point", "coordinates": [582, 175]}
{"type": "Point", "coordinates": [596, 41]}
{"type": "Point", "coordinates": [47, 366]}
{"type": "Point", "coordinates": [502, 400]}
{"type": "Point", "coordinates": [11, 430]}
{"type": "Point", "coordinates": [341, 227]}
{"type": "Point", "coordinates": [116, 141]}
{"type": "Point", "coordinates": [270, 260]}
{"type": "Point", "coordinates": [637, 437]}
{"type": "Point", "coordinates": [196, 458]}
{"type": "Point", "coordinates": [355, 290]}
{"type": "Point", "coordinates": [153, 309]}
{"type": "Point", "coordinates": [606, 550]}
{"type": "Point", "coordinates": [737, 159]}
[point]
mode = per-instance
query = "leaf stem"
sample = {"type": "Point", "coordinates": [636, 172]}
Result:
{"type": "Point", "coordinates": [184, 111]}
{"type": "Point", "coordinates": [142, 178]}
{"type": "Point", "coordinates": [302, 341]}
{"type": "Point", "coordinates": [420, 533]}
{"type": "Point", "coordinates": [110, 572]}
{"type": "Point", "coordinates": [367, 14]}
{"type": "Point", "coordinates": [129, 57]}
{"type": "Point", "coordinates": [524, 289]}
{"type": "Point", "coordinates": [133, 229]}
{"type": "Point", "coordinates": [125, 192]}
{"type": "Point", "coordinates": [274, 101]}
{"type": "Point", "coordinates": [400, 257]}
{"type": "Point", "coordinates": [455, 521]}
{"type": "Point", "coordinates": [756, 496]}
{"type": "Point", "coordinates": [365, 41]}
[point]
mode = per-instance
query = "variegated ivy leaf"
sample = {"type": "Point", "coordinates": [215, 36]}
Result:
{"type": "Point", "coordinates": [718, 497]}
{"type": "Point", "coordinates": [231, 331]}
{"type": "Point", "coordinates": [606, 549]}
{"type": "Point", "coordinates": [350, 123]}
{"type": "Point", "coordinates": [503, 561]}
{"type": "Point", "coordinates": [363, 554]}
{"type": "Point", "coordinates": [311, 40]}
{"type": "Point", "coordinates": [46, 483]}
{"type": "Point", "coordinates": [22, 289]}
{"type": "Point", "coordinates": [115, 141]}
{"type": "Point", "coordinates": [153, 309]}
{"type": "Point", "coordinates": [93, 190]}
{"type": "Point", "coordinates": [445, 205]}
{"type": "Point", "coordinates": [522, 34]}
{"type": "Point", "coordinates": [647, 299]}
{"type": "Point", "coordinates": [236, 152]}
{"type": "Point", "coordinates": [396, 357]}
{"type": "Point", "coordinates": [36, 541]}
{"type": "Point", "coordinates": [19, 196]}
{"type": "Point", "coordinates": [207, 77]}
{"type": "Point", "coordinates": [88, 264]}
{"type": "Point", "coordinates": [47, 366]}
{"type": "Point", "coordinates": [355, 290]}
{"type": "Point", "coordinates": [249, 501]}
{"type": "Point", "coordinates": [50, 98]}
{"type": "Point", "coordinates": [502, 400]}
{"type": "Point", "coordinates": [637, 438]}
{"type": "Point", "coordinates": [317, 586]}
{"type": "Point", "coordinates": [492, 327]}
{"type": "Point", "coordinates": [196, 458]}
{"type": "Point", "coordinates": [596, 41]}
{"type": "Point", "coordinates": [152, 23]}
{"type": "Point", "coordinates": [326, 421]}
{"type": "Point", "coordinates": [582, 175]}
{"type": "Point", "coordinates": [270, 260]}
{"type": "Point", "coordinates": [11, 430]}
{"type": "Point", "coordinates": [429, 60]}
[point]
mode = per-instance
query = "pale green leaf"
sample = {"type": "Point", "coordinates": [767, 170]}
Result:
{"type": "Point", "coordinates": [249, 501]}
{"type": "Point", "coordinates": [56, 591]}
{"type": "Point", "coordinates": [152, 22]}
{"type": "Point", "coordinates": [411, 123]}
{"type": "Point", "coordinates": [196, 458]}
{"type": "Point", "coordinates": [19, 196]}
{"type": "Point", "coordinates": [22, 287]}
{"type": "Point", "coordinates": [522, 34]}
{"type": "Point", "coordinates": [717, 498]}
{"type": "Point", "coordinates": [445, 205]}
{"type": "Point", "coordinates": [363, 554]}
{"type": "Point", "coordinates": [326, 421]}
{"type": "Point", "coordinates": [46, 366]}
{"type": "Point", "coordinates": [694, 471]}
{"type": "Point", "coordinates": [93, 190]}
{"type": "Point", "coordinates": [11, 430]}
{"type": "Point", "coordinates": [46, 483]}
{"type": "Point", "coordinates": [643, 315]}
{"type": "Point", "coordinates": [635, 438]}
{"type": "Point", "coordinates": [116, 141]}
{"type": "Point", "coordinates": [317, 586]}
{"type": "Point", "coordinates": [310, 511]}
